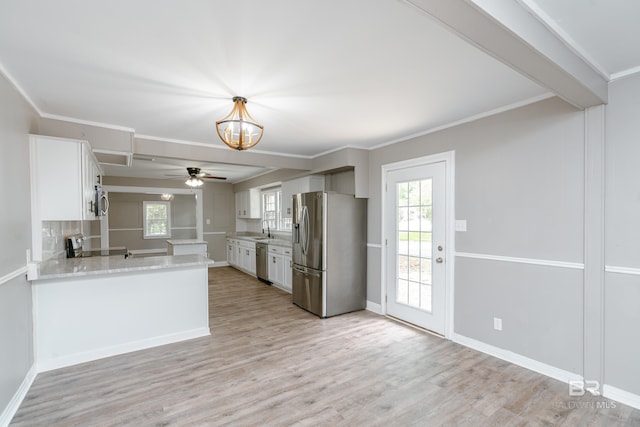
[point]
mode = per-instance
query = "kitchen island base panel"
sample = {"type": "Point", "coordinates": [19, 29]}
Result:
{"type": "Point", "coordinates": [87, 318]}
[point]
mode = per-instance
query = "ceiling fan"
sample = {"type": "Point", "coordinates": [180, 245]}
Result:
{"type": "Point", "coordinates": [195, 177]}
{"type": "Point", "coordinates": [195, 172]}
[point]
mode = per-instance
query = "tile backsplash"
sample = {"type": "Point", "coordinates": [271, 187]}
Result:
{"type": "Point", "coordinates": [54, 233]}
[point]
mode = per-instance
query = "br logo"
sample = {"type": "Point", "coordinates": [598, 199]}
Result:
{"type": "Point", "coordinates": [579, 387]}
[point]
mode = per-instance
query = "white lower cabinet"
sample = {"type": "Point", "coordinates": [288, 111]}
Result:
{"type": "Point", "coordinates": [231, 252]}
{"type": "Point", "coordinates": [241, 254]}
{"type": "Point", "coordinates": [280, 267]}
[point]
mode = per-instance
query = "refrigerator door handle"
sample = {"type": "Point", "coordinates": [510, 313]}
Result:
{"type": "Point", "coordinates": [296, 233]}
{"type": "Point", "coordinates": [305, 230]}
{"type": "Point", "coordinates": [307, 271]}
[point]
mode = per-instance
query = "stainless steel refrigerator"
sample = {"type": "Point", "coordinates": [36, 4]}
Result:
{"type": "Point", "coordinates": [329, 253]}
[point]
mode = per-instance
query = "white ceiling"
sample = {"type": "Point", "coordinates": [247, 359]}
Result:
{"type": "Point", "coordinates": [319, 75]}
{"type": "Point", "coordinates": [604, 32]}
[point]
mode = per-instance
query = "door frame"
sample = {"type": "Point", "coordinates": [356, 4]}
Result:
{"type": "Point", "coordinates": [448, 158]}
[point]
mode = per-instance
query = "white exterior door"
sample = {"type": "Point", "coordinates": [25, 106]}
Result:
{"type": "Point", "coordinates": [415, 233]}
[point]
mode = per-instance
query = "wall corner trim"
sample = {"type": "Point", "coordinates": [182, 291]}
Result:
{"type": "Point", "coordinates": [8, 413]}
{"type": "Point", "coordinates": [517, 359]}
{"type": "Point", "coordinates": [622, 396]}
{"type": "Point", "coordinates": [219, 264]}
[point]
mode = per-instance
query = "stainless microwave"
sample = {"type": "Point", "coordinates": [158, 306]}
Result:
{"type": "Point", "coordinates": [101, 202]}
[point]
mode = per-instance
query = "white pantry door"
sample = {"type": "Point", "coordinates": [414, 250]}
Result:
{"type": "Point", "coordinates": [415, 235]}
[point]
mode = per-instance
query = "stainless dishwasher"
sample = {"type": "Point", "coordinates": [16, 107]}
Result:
{"type": "Point", "coordinates": [262, 252]}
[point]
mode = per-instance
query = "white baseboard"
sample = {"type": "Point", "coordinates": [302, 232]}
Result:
{"type": "Point", "coordinates": [88, 356]}
{"type": "Point", "coordinates": [219, 264]}
{"type": "Point", "coordinates": [7, 415]}
{"type": "Point", "coordinates": [622, 396]}
{"type": "Point", "coordinates": [517, 359]}
{"type": "Point", "coordinates": [374, 307]}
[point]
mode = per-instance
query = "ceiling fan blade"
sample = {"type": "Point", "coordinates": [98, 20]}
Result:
{"type": "Point", "coordinates": [213, 177]}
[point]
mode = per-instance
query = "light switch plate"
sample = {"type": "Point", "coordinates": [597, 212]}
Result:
{"type": "Point", "coordinates": [461, 225]}
{"type": "Point", "coordinates": [497, 323]}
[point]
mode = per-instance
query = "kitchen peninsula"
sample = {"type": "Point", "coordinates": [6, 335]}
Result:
{"type": "Point", "coordinates": [90, 308]}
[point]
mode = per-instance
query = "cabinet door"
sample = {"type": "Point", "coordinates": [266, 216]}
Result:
{"type": "Point", "coordinates": [90, 178]}
{"type": "Point", "coordinates": [239, 205]}
{"type": "Point", "coordinates": [57, 180]}
{"type": "Point", "coordinates": [277, 261]}
{"type": "Point", "coordinates": [287, 267]}
{"type": "Point", "coordinates": [248, 204]}
{"type": "Point", "coordinates": [230, 253]}
{"type": "Point", "coordinates": [273, 268]}
{"type": "Point", "coordinates": [252, 261]}
{"type": "Point", "coordinates": [253, 204]}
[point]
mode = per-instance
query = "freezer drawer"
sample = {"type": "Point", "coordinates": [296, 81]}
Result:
{"type": "Point", "coordinates": [306, 289]}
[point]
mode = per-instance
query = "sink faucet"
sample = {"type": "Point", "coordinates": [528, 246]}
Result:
{"type": "Point", "coordinates": [268, 230]}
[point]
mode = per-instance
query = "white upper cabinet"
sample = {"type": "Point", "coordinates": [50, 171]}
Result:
{"type": "Point", "coordinates": [299, 185]}
{"type": "Point", "coordinates": [248, 204]}
{"type": "Point", "coordinates": [64, 173]}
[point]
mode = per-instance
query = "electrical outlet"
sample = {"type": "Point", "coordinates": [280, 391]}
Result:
{"type": "Point", "coordinates": [208, 221]}
{"type": "Point", "coordinates": [497, 323]}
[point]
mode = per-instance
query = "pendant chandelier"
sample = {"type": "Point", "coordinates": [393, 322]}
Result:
{"type": "Point", "coordinates": [238, 130]}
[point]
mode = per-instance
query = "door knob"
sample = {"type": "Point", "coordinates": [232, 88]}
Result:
{"type": "Point", "coordinates": [439, 260]}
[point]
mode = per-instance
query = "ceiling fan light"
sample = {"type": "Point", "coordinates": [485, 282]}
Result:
{"type": "Point", "coordinates": [239, 130]}
{"type": "Point", "coordinates": [194, 181]}
{"type": "Point", "coordinates": [167, 197]}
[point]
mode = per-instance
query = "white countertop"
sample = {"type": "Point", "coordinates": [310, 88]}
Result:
{"type": "Point", "coordinates": [186, 242]}
{"type": "Point", "coordinates": [100, 265]}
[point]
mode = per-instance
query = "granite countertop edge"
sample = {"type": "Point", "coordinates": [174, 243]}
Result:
{"type": "Point", "coordinates": [186, 242]}
{"type": "Point", "coordinates": [97, 266]}
{"type": "Point", "coordinates": [274, 242]}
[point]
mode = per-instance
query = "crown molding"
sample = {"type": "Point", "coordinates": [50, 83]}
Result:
{"type": "Point", "coordinates": [22, 92]}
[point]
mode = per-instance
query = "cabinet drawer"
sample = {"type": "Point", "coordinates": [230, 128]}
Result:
{"type": "Point", "coordinates": [279, 250]}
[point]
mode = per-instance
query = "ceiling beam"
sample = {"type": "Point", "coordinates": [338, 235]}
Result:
{"type": "Point", "coordinates": [511, 33]}
{"type": "Point", "coordinates": [217, 153]}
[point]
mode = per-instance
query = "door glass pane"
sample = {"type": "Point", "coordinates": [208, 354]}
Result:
{"type": "Point", "coordinates": [402, 291]}
{"type": "Point", "coordinates": [403, 267]}
{"type": "Point", "coordinates": [413, 231]}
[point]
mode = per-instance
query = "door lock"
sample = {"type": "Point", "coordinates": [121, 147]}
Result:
{"type": "Point", "coordinates": [440, 248]}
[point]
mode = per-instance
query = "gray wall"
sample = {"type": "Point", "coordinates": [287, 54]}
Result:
{"type": "Point", "coordinates": [218, 206]}
{"type": "Point", "coordinates": [519, 184]}
{"type": "Point", "coordinates": [17, 120]}
{"type": "Point", "coordinates": [341, 182]}
{"type": "Point", "coordinates": [622, 235]}
{"type": "Point", "coordinates": [126, 222]}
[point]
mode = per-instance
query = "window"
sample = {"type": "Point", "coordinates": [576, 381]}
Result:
{"type": "Point", "coordinates": [271, 202]}
{"type": "Point", "coordinates": [156, 219]}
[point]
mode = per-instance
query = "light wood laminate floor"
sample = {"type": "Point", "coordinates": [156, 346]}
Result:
{"type": "Point", "coordinates": [268, 362]}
